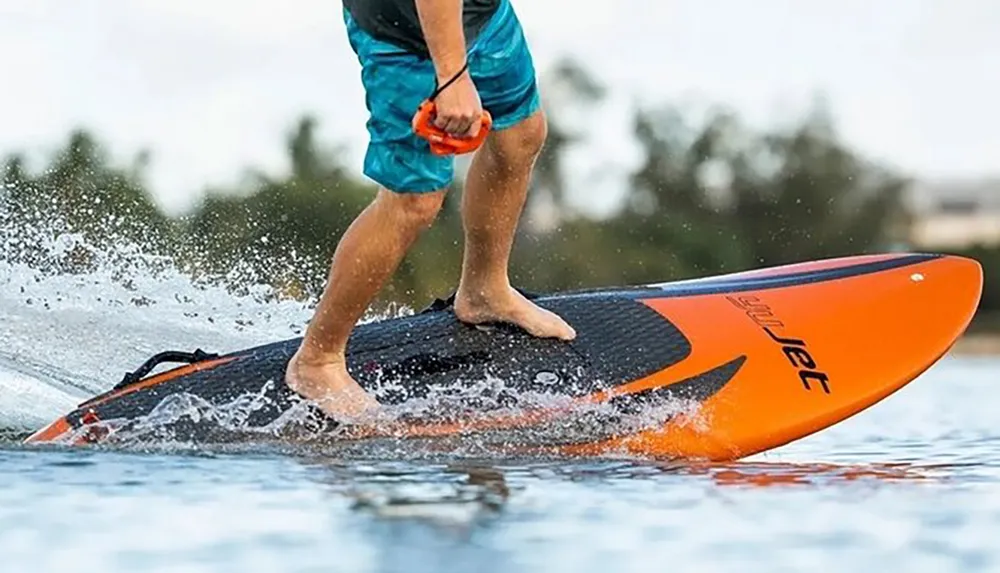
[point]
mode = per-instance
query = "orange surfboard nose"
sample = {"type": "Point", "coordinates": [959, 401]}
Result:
{"type": "Point", "coordinates": [816, 353]}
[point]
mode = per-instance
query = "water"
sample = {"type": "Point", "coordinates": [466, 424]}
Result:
{"type": "Point", "coordinates": [912, 484]}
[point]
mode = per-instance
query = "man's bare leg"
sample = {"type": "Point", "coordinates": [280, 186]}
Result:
{"type": "Point", "coordinates": [366, 257]}
{"type": "Point", "coordinates": [494, 197]}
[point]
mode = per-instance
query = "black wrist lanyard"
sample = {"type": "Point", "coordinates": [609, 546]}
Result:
{"type": "Point", "coordinates": [437, 90]}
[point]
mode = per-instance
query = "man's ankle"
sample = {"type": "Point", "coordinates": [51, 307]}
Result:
{"type": "Point", "coordinates": [483, 291]}
{"type": "Point", "coordinates": [311, 356]}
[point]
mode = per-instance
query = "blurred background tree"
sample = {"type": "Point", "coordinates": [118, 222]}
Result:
{"type": "Point", "coordinates": [277, 230]}
{"type": "Point", "coordinates": [707, 197]}
{"type": "Point", "coordinates": [80, 193]}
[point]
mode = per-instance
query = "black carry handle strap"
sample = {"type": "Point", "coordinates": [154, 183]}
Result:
{"type": "Point", "coordinates": [168, 356]}
{"type": "Point", "coordinates": [440, 304]}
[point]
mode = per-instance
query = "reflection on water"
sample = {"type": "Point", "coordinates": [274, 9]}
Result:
{"type": "Point", "coordinates": [478, 496]}
{"type": "Point", "coordinates": [456, 495]}
{"type": "Point", "coordinates": [453, 495]}
{"type": "Point", "coordinates": [817, 474]}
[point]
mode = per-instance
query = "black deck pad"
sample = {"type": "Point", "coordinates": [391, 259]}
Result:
{"type": "Point", "coordinates": [619, 339]}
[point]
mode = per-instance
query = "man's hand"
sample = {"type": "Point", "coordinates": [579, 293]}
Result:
{"type": "Point", "coordinates": [459, 111]}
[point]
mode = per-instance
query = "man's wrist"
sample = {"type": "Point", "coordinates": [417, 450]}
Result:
{"type": "Point", "coordinates": [449, 68]}
{"type": "Point", "coordinates": [441, 22]}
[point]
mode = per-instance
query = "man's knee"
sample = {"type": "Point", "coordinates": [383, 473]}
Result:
{"type": "Point", "coordinates": [414, 211]}
{"type": "Point", "coordinates": [521, 143]}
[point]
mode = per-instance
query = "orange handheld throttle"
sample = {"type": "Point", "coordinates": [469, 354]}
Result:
{"type": "Point", "coordinates": [441, 142]}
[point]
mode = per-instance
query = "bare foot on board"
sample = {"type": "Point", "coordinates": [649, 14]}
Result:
{"type": "Point", "coordinates": [512, 307]}
{"type": "Point", "coordinates": [332, 388]}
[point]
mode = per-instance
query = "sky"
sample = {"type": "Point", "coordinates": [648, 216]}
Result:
{"type": "Point", "coordinates": [211, 88]}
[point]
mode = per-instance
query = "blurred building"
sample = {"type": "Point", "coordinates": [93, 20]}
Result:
{"type": "Point", "coordinates": [955, 214]}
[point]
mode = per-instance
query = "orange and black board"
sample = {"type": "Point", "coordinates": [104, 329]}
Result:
{"type": "Point", "coordinates": [716, 368]}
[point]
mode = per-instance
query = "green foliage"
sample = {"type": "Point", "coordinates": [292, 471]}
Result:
{"type": "Point", "coordinates": [568, 92]}
{"type": "Point", "coordinates": [723, 198]}
{"type": "Point", "coordinates": [277, 231]}
{"type": "Point", "coordinates": [80, 193]}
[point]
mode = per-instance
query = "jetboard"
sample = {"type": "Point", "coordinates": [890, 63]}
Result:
{"type": "Point", "coordinates": [714, 368]}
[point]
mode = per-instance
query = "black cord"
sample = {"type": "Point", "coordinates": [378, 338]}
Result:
{"type": "Point", "coordinates": [438, 90]}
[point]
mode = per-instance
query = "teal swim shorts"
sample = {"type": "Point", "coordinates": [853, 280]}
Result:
{"type": "Point", "coordinates": [397, 81]}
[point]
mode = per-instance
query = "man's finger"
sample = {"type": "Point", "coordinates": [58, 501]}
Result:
{"type": "Point", "coordinates": [452, 125]}
{"type": "Point", "coordinates": [471, 125]}
{"type": "Point", "coordinates": [474, 129]}
{"type": "Point", "coordinates": [441, 121]}
{"type": "Point", "coordinates": [450, 122]}
{"type": "Point", "coordinates": [464, 129]}
{"type": "Point", "coordinates": [457, 126]}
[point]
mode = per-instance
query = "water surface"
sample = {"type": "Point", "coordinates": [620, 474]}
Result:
{"type": "Point", "coordinates": [912, 484]}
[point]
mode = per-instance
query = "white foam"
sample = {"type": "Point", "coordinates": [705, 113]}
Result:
{"type": "Point", "coordinates": [27, 403]}
{"type": "Point", "coordinates": [70, 334]}
{"type": "Point", "coordinates": [76, 331]}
